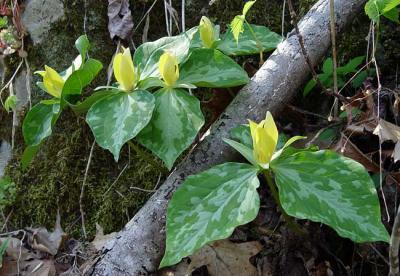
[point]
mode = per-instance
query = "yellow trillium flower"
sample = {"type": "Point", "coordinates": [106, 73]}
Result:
{"type": "Point", "coordinates": [265, 139]}
{"type": "Point", "coordinates": [124, 70]}
{"type": "Point", "coordinates": [169, 69]}
{"type": "Point", "coordinates": [207, 32]}
{"type": "Point", "coordinates": [52, 81]}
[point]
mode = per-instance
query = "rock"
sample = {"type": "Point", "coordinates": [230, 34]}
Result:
{"type": "Point", "coordinates": [39, 15]}
{"type": "Point", "coordinates": [5, 156]}
{"type": "Point", "coordinates": [21, 90]}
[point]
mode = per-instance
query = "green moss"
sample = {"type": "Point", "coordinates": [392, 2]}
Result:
{"type": "Point", "coordinates": [53, 182]}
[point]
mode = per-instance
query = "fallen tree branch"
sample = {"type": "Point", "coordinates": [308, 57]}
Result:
{"type": "Point", "coordinates": [139, 247]}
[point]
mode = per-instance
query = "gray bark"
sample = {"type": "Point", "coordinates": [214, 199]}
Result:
{"type": "Point", "coordinates": [139, 247]}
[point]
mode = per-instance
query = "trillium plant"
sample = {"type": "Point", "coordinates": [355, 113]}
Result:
{"type": "Point", "coordinates": [152, 100]}
{"type": "Point", "coordinates": [63, 88]}
{"type": "Point", "coordinates": [319, 185]}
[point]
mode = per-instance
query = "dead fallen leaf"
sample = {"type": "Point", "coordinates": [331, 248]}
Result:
{"type": "Point", "coordinates": [100, 239]}
{"type": "Point", "coordinates": [348, 149]}
{"type": "Point", "coordinates": [389, 132]}
{"type": "Point", "coordinates": [222, 258]}
{"type": "Point", "coordinates": [46, 241]}
{"type": "Point", "coordinates": [120, 22]}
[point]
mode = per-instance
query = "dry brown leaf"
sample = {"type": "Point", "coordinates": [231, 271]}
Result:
{"type": "Point", "coordinates": [100, 239]}
{"type": "Point", "coordinates": [40, 268]}
{"type": "Point", "coordinates": [348, 149]}
{"type": "Point", "coordinates": [46, 241]}
{"type": "Point", "coordinates": [222, 258]}
{"type": "Point", "coordinates": [120, 22]}
{"type": "Point", "coordinates": [389, 132]}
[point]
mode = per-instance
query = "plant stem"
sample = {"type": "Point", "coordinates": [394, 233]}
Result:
{"type": "Point", "coordinates": [292, 224]}
{"type": "Point", "coordinates": [259, 45]}
{"type": "Point", "coordinates": [146, 156]}
{"type": "Point", "coordinates": [334, 53]}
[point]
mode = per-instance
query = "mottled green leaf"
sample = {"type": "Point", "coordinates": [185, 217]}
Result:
{"type": "Point", "coordinates": [39, 121]}
{"type": "Point", "coordinates": [326, 187]}
{"type": "Point", "coordinates": [176, 121]}
{"type": "Point", "coordinates": [208, 206]}
{"type": "Point", "coordinates": [211, 68]}
{"type": "Point", "coordinates": [247, 44]}
{"type": "Point", "coordinates": [118, 118]}
{"type": "Point", "coordinates": [148, 54]}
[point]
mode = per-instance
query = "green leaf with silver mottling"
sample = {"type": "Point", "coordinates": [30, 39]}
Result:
{"type": "Point", "coordinates": [116, 119]}
{"type": "Point", "coordinates": [326, 187]}
{"type": "Point", "coordinates": [147, 56]}
{"type": "Point", "coordinates": [247, 44]}
{"type": "Point", "coordinates": [211, 68]}
{"type": "Point", "coordinates": [176, 121]}
{"type": "Point", "coordinates": [208, 206]}
{"type": "Point", "coordinates": [39, 121]}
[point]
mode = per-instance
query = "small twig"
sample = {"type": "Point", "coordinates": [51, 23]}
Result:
{"type": "Point", "coordinates": [28, 82]}
{"type": "Point", "coordinates": [373, 59]}
{"type": "Point", "coordinates": [144, 16]}
{"type": "Point", "coordinates": [293, 16]}
{"type": "Point", "coordinates": [81, 204]}
{"type": "Point", "coordinates": [294, 108]}
{"type": "Point", "coordinates": [20, 252]}
{"type": "Point", "coordinates": [283, 20]}
{"type": "Point", "coordinates": [146, 190]}
{"type": "Point", "coordinates": [394, 246]}
{"type": "Point", "coordinates": [116, 180]}
{"type": "Point", "coordinates": [334, 53]}
{"type": "Point", "coordinates": [183, 15]}
{"type": "Point", "coordinates": [12, 78]}
{"type": "Point", "coordinates": [6, 221]}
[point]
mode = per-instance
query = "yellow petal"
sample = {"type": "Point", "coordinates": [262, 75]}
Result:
{"type": "Point", "coordinates": [41, 73]}
{"type": "Point", "coordinates": [124, 70]}
{"type": "Point", "coordinates": [265, 138]}
{"type": "Point", "coordinates": [169, 68]}
{"type": "Point", "coordinates": [53, 82]}
{"type": "Point", "coordinates": [270, 127]}
{"type": "Point", "coordinates": [207, 32]}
